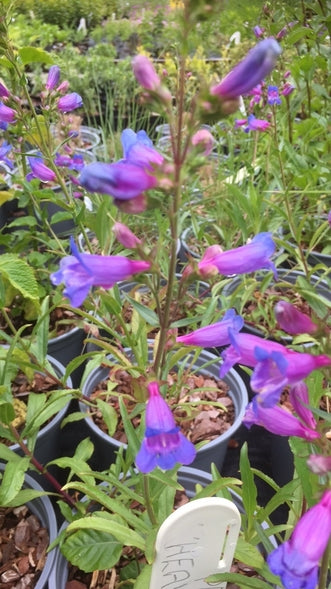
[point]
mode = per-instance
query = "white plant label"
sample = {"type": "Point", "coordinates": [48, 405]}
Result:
{"type": "Point", "coordinates": [196, 541]}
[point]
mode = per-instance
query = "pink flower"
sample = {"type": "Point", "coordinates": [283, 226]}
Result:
{"type": "Point", "coordinates": [293, 321]}
{"type": "Point", "coordinates": [125, 236]}
{"type": "Point", "coordinates": [145, 73]}
{"type": "Point", "coordinates": [204, 140]}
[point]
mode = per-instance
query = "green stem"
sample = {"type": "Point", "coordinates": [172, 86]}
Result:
{"type": "Point", "coordinates": [149, 507]}
{"type": "Point", "coordinates": [324, 570]}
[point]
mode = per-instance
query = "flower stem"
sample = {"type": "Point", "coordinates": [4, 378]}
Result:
{"type": "Point", "coordinates": [42, 469]}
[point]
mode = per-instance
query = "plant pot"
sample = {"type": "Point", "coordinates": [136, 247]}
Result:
{"type": "Point", "coordinates": [48, 438]}
{"type": "Point", "coordinates": [289, 276]}
{"type": "Point", "coordinates": [214, 451]}
{"type": "Point", "coordinates": [64, 227]}
{"type": "Point", "coordinates": [65, 348]}
{"type": "Point", "coordinates": [188, 477]}
{"type": "Point", "coordinates": [42, 508]}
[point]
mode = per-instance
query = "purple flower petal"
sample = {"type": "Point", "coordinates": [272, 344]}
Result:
{"type": "Point", "coordinates": [259, 62]}
{"type": "Point", "coordinates": [216, 334]}
{"type": "Point", "coordinates": [80, 272]}
{"type": "Point", "coordinates": [163, 444]}
{"type": "Point", "coordinates": [69, 102]}
{"type": "Point", "coordinates": [296, 561]}
{"type": "Point", "coordinates": [123, 181]}
{"type": "Point", "coordinates": [247, 258]}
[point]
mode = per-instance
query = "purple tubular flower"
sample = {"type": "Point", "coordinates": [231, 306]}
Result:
{"type": "Point", "coordinates": [131, 176]}
{"type": "Point", "coordinates": [145, 73]}
{"type": "Point", "coordinates": [40, 170]}
{"type": "Point", "coordinates": [254, 124]}
{"type": "Point", "coordinates": [163, 445]}
{"type": "Point", "coordinates": [216, 334]}
{"type": "Point", "coordinates": [259, 62]}
{"type": "Point", "coordinates": [242, 350]}
{"type": "Point", "coordinates": [287, 89]}
{"type": "Point", "coordinates": [138, 149]}
{"type": "Point", "coordinates": [53, 77]}
{"type": "Point", "coordinates": [277, 420]}
{"type": "Point", "coordinates": [258, 31]}
{"type": "Point", "coordinates": [123, 181]}
{"type": "Point", "coordinates": [273, 95]}
{"type": "Point", "coordinates": [4, 149]}
{"type": "Point", "coordinates": [4, 92]}
{"type": "Point", "coordinates": [76, 162]}
{"type": "Point", "coordinates": [292, 320]}
{"type": "Point", "coordinates": [247, 258]}
{"type": "Point", "coordinates": [277, 369]}
{"type": "Point", "coordinates": [299, 398]}
{"type": "Point", "coordinates": [80, 272]}
{"type": "Point", "coordinates": [7, 114]}
{"type": "Point", "coordinates": [69, 102]}
{"type": "Point", "coordinates": [296, 561]}
{"type": "Point", "coordinates": [329, 218]}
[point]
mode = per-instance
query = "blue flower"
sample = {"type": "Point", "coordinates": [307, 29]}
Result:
{"type": "Point", "coordinates": [80, 272]}
{"type": "Point", "coordinates": [216, 334]}
{"type": "Point", "coordinates": [4, 149]}
{"type": "Point", "coordinates": [296, 561]}
{"type": "Point", "coordinates": [250, 71]}
{"type": "Point", "coordinates": [40, 170]}
{"type": "Point", "coordinates": [247, 258]}
{"type": "Point", "coordinates": [128, 178]}
{"type": "Point", "coordinates": [163, 445]}
{"type": "Point", "coordinates": [273, 95]}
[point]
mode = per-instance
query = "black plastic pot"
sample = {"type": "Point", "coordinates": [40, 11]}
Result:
{"type": "Point", "coordinates": [289, 276]}
{"type": "Point", "coordinates": [42, 508]}
{"type": "Point", "coordinates": [214, 451]}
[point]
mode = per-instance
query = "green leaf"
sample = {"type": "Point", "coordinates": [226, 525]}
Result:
{"type": "Point", "coordinates": [92, 550]}
{"type": "Point", "coordinates": [239, 580]}
{"type": "Point", "coordinates": [148, 314]}
{"type": "Point", "coordinates": [12, 480]}
{"type": "Point", "coordinates": [99, 495]}
{"type": "Point", "coordinates": [33, 54]}
{"type": "Point", "coordinates": [249, 491]}
{"type": "Point", "coordinates": [131, 434]}
{"type": "Point", "coordinates": [248, 554]}
{"type": "Point", "coordinates": [110, 525]}
{"type": "Point", "coordinates": [20, 276]}
{"type": "Point", "coordinates": [144, 578]}
{"type": "Point", "coordinates": [109, 415]}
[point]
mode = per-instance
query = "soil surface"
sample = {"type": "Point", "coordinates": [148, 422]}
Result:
{"type": "Point", "coordinates": [23, 545]}
{"type": "Point", "coordinates": [204, 409]}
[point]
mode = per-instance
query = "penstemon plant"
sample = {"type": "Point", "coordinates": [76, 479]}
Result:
{"type": "Point", "coordinates": [137, 492]}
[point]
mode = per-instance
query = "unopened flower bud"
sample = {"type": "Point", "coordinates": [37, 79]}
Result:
{"type": "Point", "coordinates": [7, 114]}
{"type": "Point", "coordinates": [63, 87]}
{"type": "Point", "coordinates": [125, 236]}
{"type": "Point", "coordinates": [53, 77]}
{"type": "Point", "coordinates": [70, 102]}
{"type": "Point", "coordinates": [204, 140]}
{"type": "Point", "coordinates": [259, 62]}
{"type": "Point", "coordinates": [318, 464]}
{"type": "Point", "coordinates": [145, 73]}
{"type": "Point", "coordinates": [4, 92]}
{"type": "Point", "coordinates": [291, 320]}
